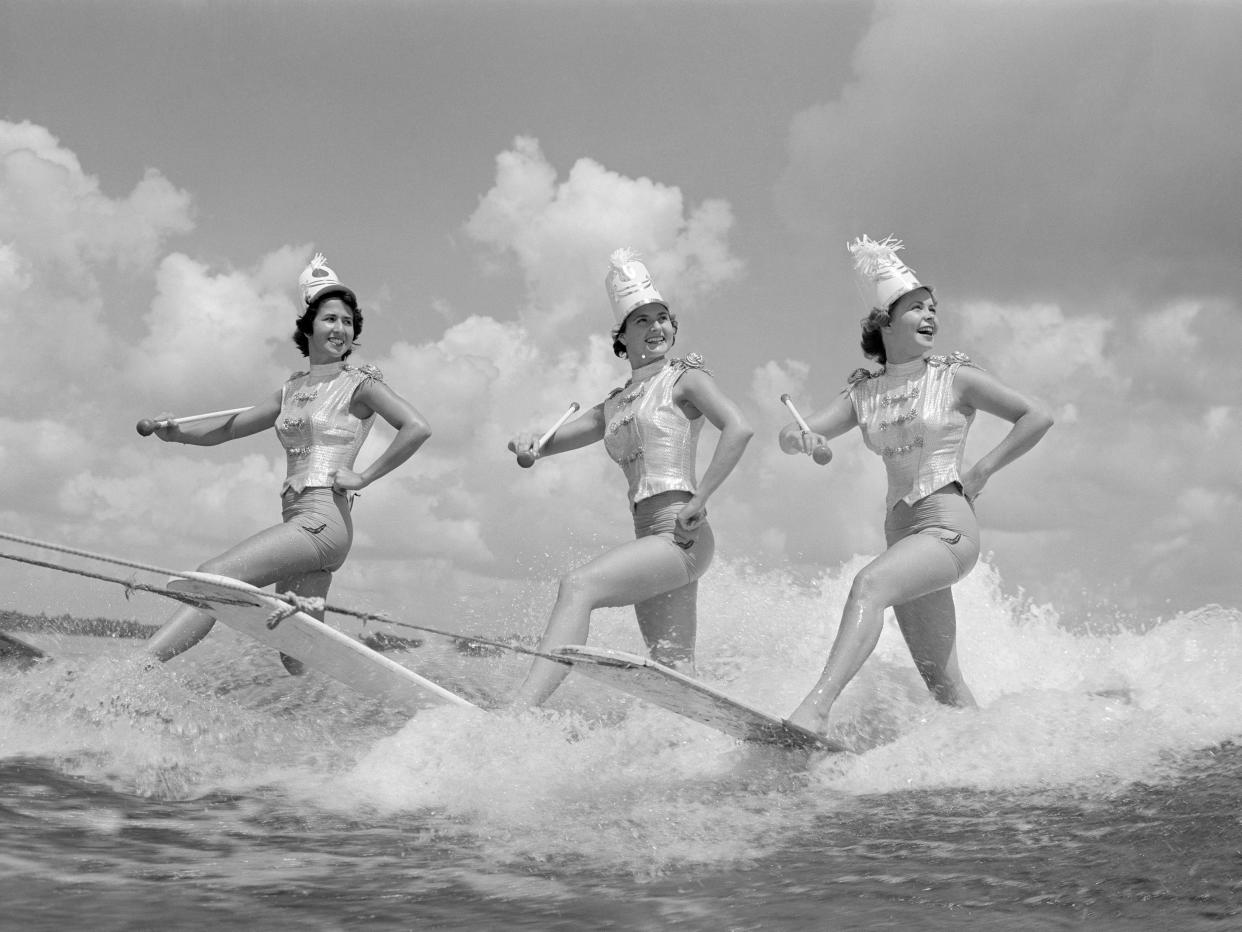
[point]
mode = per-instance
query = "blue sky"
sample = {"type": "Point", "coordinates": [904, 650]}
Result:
{"type": "Point", "coordinates": [1066, 175]}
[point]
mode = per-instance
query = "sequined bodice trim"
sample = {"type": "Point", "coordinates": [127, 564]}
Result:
{"type": "Point", "coordinates": [649, 437]}
{"type": "Point", "coordinates": [908, 416]}
{"type": "Point", "coordinates": [315, 426]}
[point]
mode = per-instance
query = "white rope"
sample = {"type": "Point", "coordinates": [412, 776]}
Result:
{"type": "Point", "coordinates": [74, 551]}
{"type": "Point", "coordinates": [309, 604]}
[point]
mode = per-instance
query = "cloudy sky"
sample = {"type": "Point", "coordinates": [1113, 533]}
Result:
{"type": "Point", "coordinates": [1067, 175]}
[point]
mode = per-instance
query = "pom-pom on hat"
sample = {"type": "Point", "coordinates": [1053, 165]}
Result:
{"type": "Point", "coordinates": [318, 280]}
{"type": "Point", "coordinates": [629, 284]}
{"type": "Point", "coordinates": [881, 277]}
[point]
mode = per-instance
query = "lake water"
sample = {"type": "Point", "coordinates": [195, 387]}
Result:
{"type": "Point", "coordinates": [1097, 787]}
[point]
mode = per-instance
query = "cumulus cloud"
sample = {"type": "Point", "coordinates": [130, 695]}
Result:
{"type": "Point", "coordinates": [15, 274]}
{"type": "Point", "coordinates": [1141, 463]}
{"type": "Point", "coordinates": [1132, 494]}
{"type": "Point", "coordinates": [1039, 346]}
{"type": "Point", "coordinates": [214, 337]}
{"type": "Point", "coordinates": [1051, 174]}
{"type": "Point", "coordinates": [211, 337]}
{"type": "Point", "coordinates": [463, 498]}
{"type": "Point", "coordinates": [38, 453]}
{"type": "Point", "coordinates": [177, 494]}
{"type": "Point", "coordinates": [561, 233]}
{"type": "Point", "coordinates": [60, 237]}
{"type": "Point", "coordinates": [64, 219]}
{"type": "Point", "coordinates": [487, 378]}
{"type": "Point", "coordinates": [1073, 258]}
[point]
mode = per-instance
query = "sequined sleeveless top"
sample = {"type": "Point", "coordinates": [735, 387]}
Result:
{"type": "Point", "coordinates": [907, 416]}
{"type": "Point", "coordinates": [649, 437]}
{"type": "Point", "coordinates": [315, 426]}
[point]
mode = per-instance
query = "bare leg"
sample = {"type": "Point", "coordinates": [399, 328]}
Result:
{"type": "Point", "coordinates": [274, 553]}
{"type": "Point", "coordinates": [669, 623]}
{"type": "Point", "coordinates": [634, 572]}
{"type": "Point", "coordinates": [912, 567]}
{"type": "Point", "coordinates": [307, 586]}
{"type": "Point", "coordinates": [929, 625]}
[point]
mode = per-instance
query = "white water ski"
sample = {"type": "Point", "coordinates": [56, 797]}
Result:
{"type": "Point", "coordinates": [272, 622]}
{"type": "Point", "coordinates": [655, 683]}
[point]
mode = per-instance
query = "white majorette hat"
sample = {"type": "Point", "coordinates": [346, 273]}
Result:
{"type": "Point", "coordinates": [881, 277]}
{"type": "Point", "coordinates": [629, 284]}
{"type": "Point", "coordinates": [317, 280]}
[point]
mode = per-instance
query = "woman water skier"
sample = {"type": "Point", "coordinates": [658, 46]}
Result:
{"type": "Point", "coordinates": [914, 412]}
{"type": "Point", "coordinates": [650, 428]}
{"type": "Point", "coordinates": [322, 418]}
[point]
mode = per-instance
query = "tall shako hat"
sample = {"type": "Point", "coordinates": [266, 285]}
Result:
{"type": "Point", "coordinates": [318, 280]}
{"type": "Point", "coordinates": [881, 277]}
{"type": "Point", "coordinates": [629, 284]}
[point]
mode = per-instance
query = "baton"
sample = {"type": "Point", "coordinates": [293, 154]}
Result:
{"type": "Point", "coordinates": [820, 454]}
{"type": "Point", "coordinates": [147, 427]}
{"type": "Point", "coordinates": [526, 458]}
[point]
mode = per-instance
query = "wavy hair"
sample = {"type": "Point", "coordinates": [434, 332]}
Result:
{"type": "Point", "coordinates": [306, 323]}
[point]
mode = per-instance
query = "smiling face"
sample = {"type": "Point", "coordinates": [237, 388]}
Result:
{"type": "Point", "coordinates": [648, 333]}
{"type": "Point", "coordinates": [911, 330]}
{"type": "Point", "coordinates": [332, 333]}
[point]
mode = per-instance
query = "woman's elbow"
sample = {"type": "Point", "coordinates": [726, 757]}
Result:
{"type": "Point", "coordinates": [742, 432]}
{"type": "Point", "coordinates": [420, 434]}
{"type": "Point", "coordinates": [1041, 419]}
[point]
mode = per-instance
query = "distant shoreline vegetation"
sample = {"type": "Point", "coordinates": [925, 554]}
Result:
{"type": "Point", "coordinates": [67, 624]}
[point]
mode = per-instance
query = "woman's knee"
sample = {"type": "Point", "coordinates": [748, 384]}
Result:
{"type": "Point", "coordinates": [578, 584]}
{"type": "Point", "coordinates": [870, 586]}
{"type": "Point", "coordinates": [218, 565]}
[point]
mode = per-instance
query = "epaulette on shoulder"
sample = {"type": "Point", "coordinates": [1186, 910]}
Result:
{"type": "Point", "coordinates": [614, 392]}
{"type": "Point", "coordinates": [371, 372]}
{"type": "Point", "coordinates": [957, 358]}
{"type": "Point", "coordinates": [860, 375]}
{"type": "Point", "coordinates": [297, 375]}
{"type": "Point", "coordinates": [691, 361]}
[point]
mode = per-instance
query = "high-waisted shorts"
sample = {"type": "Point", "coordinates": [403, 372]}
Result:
{"type": "Point", "coordinates": [657, 517]}
{"type": "Point", "coordinates": [323, 518]}
{"type": "Point", "coordinates": [944, 514]}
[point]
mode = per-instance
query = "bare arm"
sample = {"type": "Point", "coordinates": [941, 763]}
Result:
{"type": "Point", "coordinates": [976, 390]}
{"type": "Point", "coordinates": [213, 432]}
{"type": "Point", "coordinates": [374, 397]}
{"type": "Point", "coordinates": [584, 430]}
{"type": "Point", "coordinates": [835, 420]}
{"type": "Point", "coordinates": [698, 393]}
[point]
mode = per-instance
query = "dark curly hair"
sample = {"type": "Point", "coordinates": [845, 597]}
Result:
{"type": "Point", "coordinates": [618, 348]}
{"type": "Point", "coordinates": [306, 323]}
{"type": "Point", "coordinates": [872, 343]}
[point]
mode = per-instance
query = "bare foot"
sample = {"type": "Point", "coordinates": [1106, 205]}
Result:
{"type": "Point", "coordinates": [808, 717]}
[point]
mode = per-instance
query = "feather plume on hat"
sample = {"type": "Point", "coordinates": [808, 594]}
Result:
{"type": "Point", "coordinates": [317, 279]}
{"type": "Point", "coordinates": [621, 256]}
{"type": "Point", "coordinates": [629, 284]}
{"type": "Point", "coordinates": [880, 275]}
